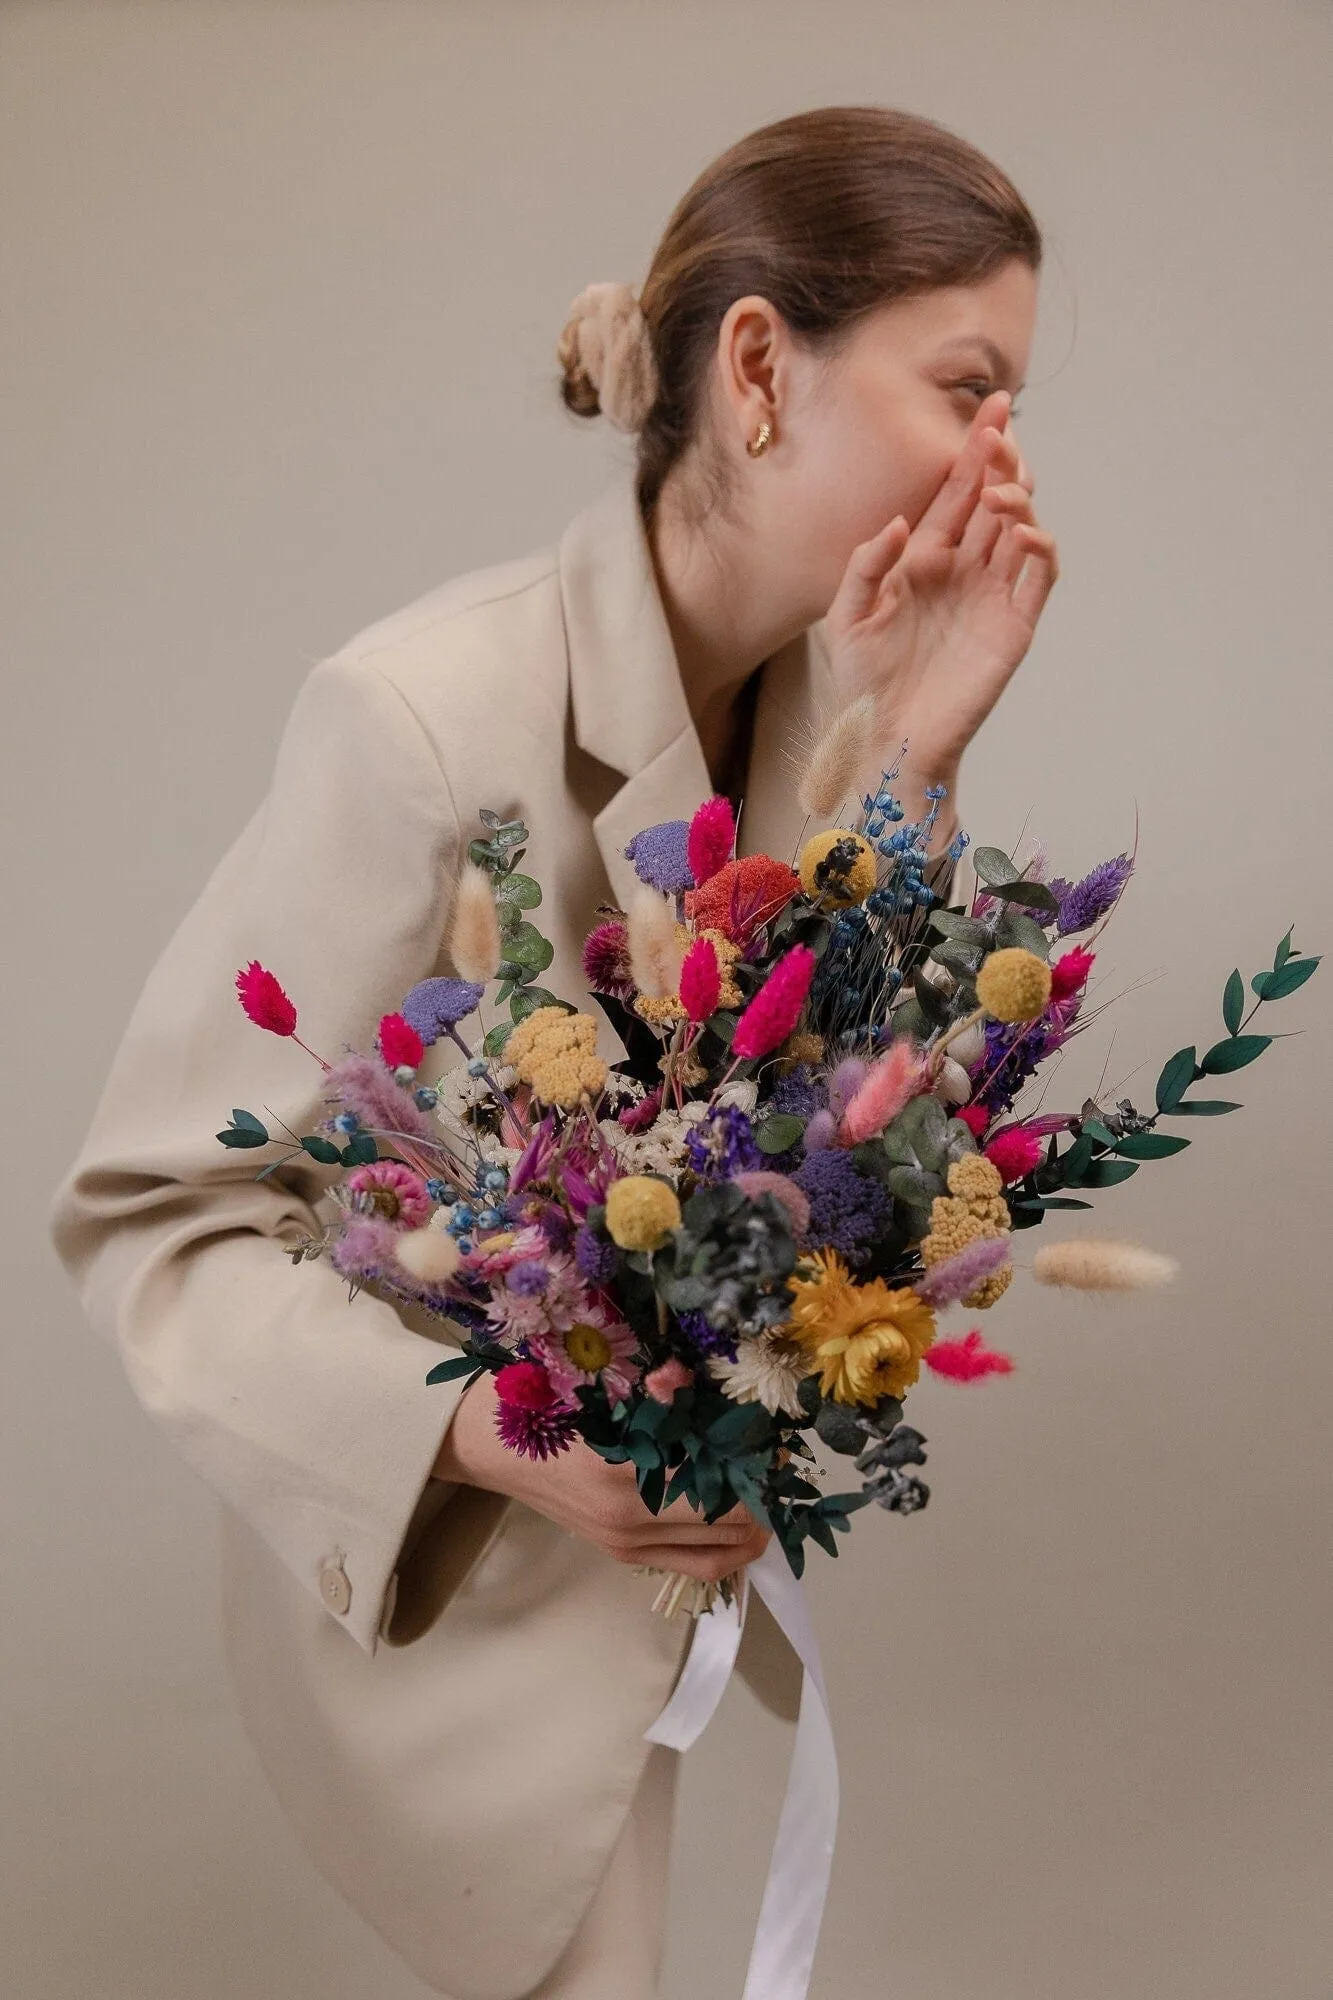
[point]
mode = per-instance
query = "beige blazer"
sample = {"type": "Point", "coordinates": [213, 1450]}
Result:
{"type": "Point", "coordinates": [448, 1693]}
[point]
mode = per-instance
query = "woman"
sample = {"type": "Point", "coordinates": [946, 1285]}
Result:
{"type": "Point", "coordinates": [827, 498]}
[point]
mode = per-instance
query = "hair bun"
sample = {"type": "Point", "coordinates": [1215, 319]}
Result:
{"type": "Point", "coordinates": [606, 352]}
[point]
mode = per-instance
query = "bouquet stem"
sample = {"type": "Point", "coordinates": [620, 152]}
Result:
{"type": "Point", "coordinates": [693, 1594]}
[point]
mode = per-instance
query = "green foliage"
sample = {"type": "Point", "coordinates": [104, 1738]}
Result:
{"type": "Point", "coordinates": [244, 1131]}
{"type": "Point", "coordinates": [524, 952]}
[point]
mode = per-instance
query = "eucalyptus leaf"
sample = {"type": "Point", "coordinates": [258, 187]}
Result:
{"type": "Point", "coordinates": [253, 1124]}
{"type": "Point", "coordinates": [1233, 1053]}
{"type": "Point", "coordinates": [243, 1136]}
{"type": "Point", "coordinates": [778, 1133]}
{"type": "Point", "coordinates": [1176, 1077]}
{"type": "Point", "coordinates": [495, 1038]}
{"type": "Point", "coordinates": [322, 1150]}
{"type": "Point", "coordinates": [530, 998]}
{"type": "Point", "coordinates": [1106, 1173]}
{"type": "Point", "coordinates": [360, 1150]}
{"type": "Point", "coordinates": [1150, 1146]}
{"type": "Point", "coordinates": [519, 890]}
{"type": "Point", "coordinates": [993, 866]}
{"type": "Point", "coordinates": [967, 930]}
{"type": "Point", "coordinates": [450, 1371]}
{"type": "Point", "coordinates": [1202, 1107]}
{"type": "Point", "coordinates": [1034, 895]}
{"type": "Point", "coordinates": [1277, 985]}
{"type": "Point", "coordinates": [910, 1184]}
{"type": "Point", "coordinates": [1233, 1002]}
{"type": "Point", "coordinates": [1283, 952]}
{"type": "Point", "coordinates": [1027, 934]}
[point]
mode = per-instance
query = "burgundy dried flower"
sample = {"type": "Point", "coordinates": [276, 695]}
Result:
{"type": "Point", "coordinates": [531, 1417]}
{"type": "Point", "coordinates": [606, 961]}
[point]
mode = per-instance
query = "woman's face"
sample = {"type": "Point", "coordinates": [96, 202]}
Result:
{"type": "Point", "coordinates": [872, 431]}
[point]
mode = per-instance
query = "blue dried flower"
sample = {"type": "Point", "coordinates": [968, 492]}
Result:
{"type": "Point", "coordinates": [594, 1257]}
{"type": "Point", "coordinates": [660, 856]}
{"type": "Point", "coordinates": [706, 1339]}
{"type": "Point", "coordinates": [722, 1144]}
{"type": "Point", "coordinates": [1090, 899]}
{"type": "Point", "coordinates": [848, 1210]}
{"type": "Point", "coordinates": [435, 1005]}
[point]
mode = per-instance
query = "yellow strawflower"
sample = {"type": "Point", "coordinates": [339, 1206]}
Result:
{"type": "Point", "coordinates": [857, 871]}
{"type": "Point", "coordinates": [1014, 985]}
{"type": "Point", "coordinates": [866, 1340]}
{"type": "Point", "coordinates": [641, 1212]}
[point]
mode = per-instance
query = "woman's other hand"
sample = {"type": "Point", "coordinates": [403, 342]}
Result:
{"type": "Point", "coordinates": [589, 1497]}
{"type": "Point", "coordinates": [933, 620]}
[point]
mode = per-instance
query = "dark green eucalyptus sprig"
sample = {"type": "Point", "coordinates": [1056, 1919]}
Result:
{"type": "Point", "coordinates": [525, 952]}
{"type": "Point", "coordinates": [1110, 1147]}
{"type": "Point", "coordinates": [247, 1131]}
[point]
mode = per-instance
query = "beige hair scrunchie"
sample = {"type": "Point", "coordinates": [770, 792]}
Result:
{"type": "Point", "coordinates": [607, 335]}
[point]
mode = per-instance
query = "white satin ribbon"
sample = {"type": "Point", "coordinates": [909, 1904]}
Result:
{"type": "Point", "coordinates": [792, 1909]}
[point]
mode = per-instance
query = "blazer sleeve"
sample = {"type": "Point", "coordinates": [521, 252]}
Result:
{"type": "Point", "coordinates": [304, 1406]}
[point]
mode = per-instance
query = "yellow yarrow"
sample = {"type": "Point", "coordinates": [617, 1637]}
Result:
{"type": "Point", "coordinates": [641, 1212]}
{"type": "Point", "coordinates": [866, 1340]}
{"type": "Point", "coordinates": [1014, 985]}
{"type": "Point", "coordinates": [854, 881]}
{"type": "Point", "coordinates": [556, 1053]}
{"type": "Point", "coordinates": [973, 1208]}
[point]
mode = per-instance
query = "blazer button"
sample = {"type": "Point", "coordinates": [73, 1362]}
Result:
{"type": "Point", "coordinates": [334, 1587]}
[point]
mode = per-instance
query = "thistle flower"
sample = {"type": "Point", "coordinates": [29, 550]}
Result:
{"type": "Point", "coordinates": [474, 934]}
{"type": "Point", "coordinates": [606, 964]}
{"type": "Point", "coordinates": [712, 835]}
{"type": "Point", "coordinates": [654, 952]}
{"type": "Point", "coordinates": [776, 1008]}
{"type": "Point", "coordinates": [661, 858]}
{"type": "Point", "coordinates": [264, 1001]}
{"type": "Point", "coordinates": [400, 1045]}
{"type": "Point", "coordinates": [531, 1417]}
{"type": "Point", "coordinates": [839, 756]}
{"type": "Point", "coordinates": [968, 1359]}
{"type": "Point", "coordinates": [1092, 1264]}
{"type": "Point", "coordinates": [436, 1005]}
{"type": "Point", "coordinates": [895, 1077]}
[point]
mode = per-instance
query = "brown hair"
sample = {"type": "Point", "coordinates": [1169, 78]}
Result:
{"type": "Point", "coordinates": [829, 214]}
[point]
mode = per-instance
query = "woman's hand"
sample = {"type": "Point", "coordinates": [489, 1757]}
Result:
{"type": "Point", "coordinates": [933, 620]}
{"type": "Point", "coordinates": [584, 1494]}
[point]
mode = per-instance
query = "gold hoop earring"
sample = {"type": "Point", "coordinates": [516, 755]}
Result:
{"type": "Point", "coordinates": [760, 443]}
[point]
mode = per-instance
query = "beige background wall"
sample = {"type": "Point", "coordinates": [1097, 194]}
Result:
{"type": "Point", "coordinates": [280, 288]}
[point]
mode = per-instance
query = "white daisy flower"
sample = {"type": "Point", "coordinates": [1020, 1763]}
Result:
{"type": "Point", "coordinates": [767, 1370]}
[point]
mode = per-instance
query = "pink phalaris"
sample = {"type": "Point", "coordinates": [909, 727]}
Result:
{"type": "Point", "coordinates": [264, 1000]}
{"type": "Point", "coordinates": [267, 1005]}
{"type": "Point", "coordinates": [968, 1359]}
{"type": "Point", "coordinates": [776, 1008]}
{"type": "Point", "coordinates": [700, 980]}
{"type": "Point", "coordinates": [711, 837]}
{"type": "Point", "coordinates": [1070, 972]}
{"type": "Point", "coordinates": [399, 1043]}
{"type": "Point", "coordinates": [1014, 1152]}
{"type": "Point", "coordinates": [894, 1077]}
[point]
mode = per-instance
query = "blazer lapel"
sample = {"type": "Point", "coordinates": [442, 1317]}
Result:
{"type": "Point", "coordinates": [629, 706]}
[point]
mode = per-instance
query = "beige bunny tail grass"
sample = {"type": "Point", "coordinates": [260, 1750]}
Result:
{"type": "Point", "coordinates": [474, 935]}
{"type": "Point", "coordinates": [654, 954]}
{"type": "Point", "coordinates": [1092, 1264]}
{"type": "Point", "coordinates": [837, 765]}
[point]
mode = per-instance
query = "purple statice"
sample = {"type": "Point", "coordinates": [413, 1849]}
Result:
{"type": "Point", "coordinates": [661, 858]}
{"type": "Point", "coordinates": [848, 1210]}
{"type": "Point", "coordinates": [796, 1095]}
{"type": "Point", "coordinates": [1083, 903]}
{"type": "Point", "coordinates": [595, 1258]}
{"type": "Point", "coordinates": [529, 1279]}
{"type": "Point", "coordinates": [1010, 1059]}
{"type": "Point", "coordinates": [722, 1144]}
{"type": "Point", "coordinates": [706, 1339]}
{"type": "Point", "coordinates": [436, 1005]}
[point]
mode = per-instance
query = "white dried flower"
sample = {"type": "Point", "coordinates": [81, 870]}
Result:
{"type": "Point", "coordinates": [768, 1369]}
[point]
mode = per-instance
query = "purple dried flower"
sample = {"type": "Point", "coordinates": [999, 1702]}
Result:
{"type": "Point", "coordinates": [365, 1086]}
{"type": "Point", "coordinates": [595, 1258]}
{"type": "Point", "coordinates": [661, 858]}
{"type": "Point", "coordinates": [529, 1279]}
{"type": "Point", "coordinates": [706, 1339]}
{"type": "Point", "coordinates": [536, 1433]}
{"type": "Point", "coordinates": [820, 1132]}
{"type": "Point", "coordinates": [1090, 899]}
{"type": "Point", "coordinates": [946, 1282]}
{"type": "Point", "coordinates": [722, 1144]}
{"type": "Point", "coordinates": [848, 1210]}
{"type": "Point", "coordinates": [1011, 1057]}
{"type": "Point", "coordinates": [844, 1083]}
{"type": "Point", "coordinates": [364, 1247]}
{"type": "Point", "coordinates": [435, 1005]}
{"type": "Point", "coordinates": [797, 1095]}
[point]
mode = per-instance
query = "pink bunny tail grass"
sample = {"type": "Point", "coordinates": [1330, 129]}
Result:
{"type": "Point", "coordinates": [968, 1359]}
{"type": "Point", "coordinates": [954, 1277]}
{"type": "Point", "coordinates": [711, 837]}
{"type": "Point", "coordinates": [365, 1086]}
{"type": "Point", "coordinates": [776, 1008]}
{"type": "Point", "coordinates": [895, 1078]}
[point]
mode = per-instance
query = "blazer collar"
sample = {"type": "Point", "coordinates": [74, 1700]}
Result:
{"type": "Point", "coordinates": [628, 701]}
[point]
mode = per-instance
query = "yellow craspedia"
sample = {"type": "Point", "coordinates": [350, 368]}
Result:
{"type": "Point", "coordinates": [1014, 985]}
{"type": "Point", "coordinates": [839, 866]}
{"type": "Point", "coordinates": [641, 1212]}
